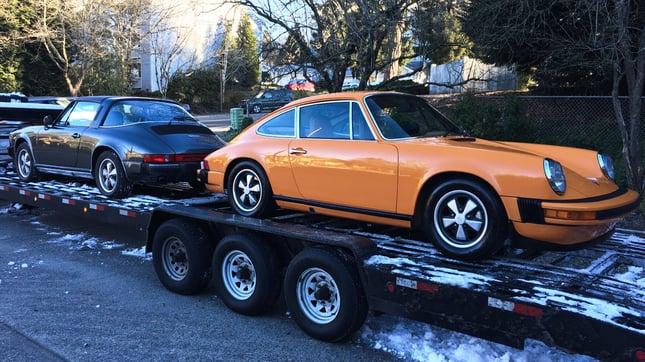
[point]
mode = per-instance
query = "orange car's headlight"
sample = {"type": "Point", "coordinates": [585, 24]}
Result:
{"type": "Point", "coordinates": [555, 175]}
{"type": "Point", "coordinates": [606, 165]}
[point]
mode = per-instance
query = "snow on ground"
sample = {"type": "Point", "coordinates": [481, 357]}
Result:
{"type": "Point", "coordinates": [416, 341]}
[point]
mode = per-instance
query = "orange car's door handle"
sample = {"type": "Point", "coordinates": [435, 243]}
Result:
{"type": "Point", "coordinates": [298, 151]}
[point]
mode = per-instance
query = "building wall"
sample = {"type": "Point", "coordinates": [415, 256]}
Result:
{"type": "Point", "coordinates": [196, 25]}
{"type": "Point", "coordinates": [468, 74]}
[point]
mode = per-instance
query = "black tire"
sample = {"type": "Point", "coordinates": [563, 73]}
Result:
{"type": "Point", "coordinates": [249, 191]}
{"type": "Point", "coordinates": [465, 220]}
{"type": "Point", "coordinates": [181, 254]}
{"type": "Point", "coordinates": [24, 163]}
{"type": "Point", "coordinates": [257, 108]}
{"type": "Point", "coordinates": [324, 294]}
{"type": "Point", "coordinates": [110, 177]}
{"type": "Point", "coordinates": [246, 274]}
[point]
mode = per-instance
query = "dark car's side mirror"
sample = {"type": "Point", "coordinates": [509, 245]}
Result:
{"type": "Point", "coordinates": [47, 121]}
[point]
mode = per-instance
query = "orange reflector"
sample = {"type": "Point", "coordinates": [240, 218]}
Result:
{"type": "Point", "coordinates": [570, 215]}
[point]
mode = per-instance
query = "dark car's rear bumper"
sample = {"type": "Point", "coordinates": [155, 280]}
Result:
{"type": "Point", "coordinates": [162, 172]}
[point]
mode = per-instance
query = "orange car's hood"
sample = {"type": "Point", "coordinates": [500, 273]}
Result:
{"type": "Point", "coordinates": [581, 166]}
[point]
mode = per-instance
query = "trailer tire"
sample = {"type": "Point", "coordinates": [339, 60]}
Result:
{"type": "Point", "coordinates": [465, 220]}
{"type": "Point", "coordinates": [246, 274]}
{"type": "Point", "coordinates": [181, 256]}
{"type": "Point", "coordinates": [25, 164]}
{"type": "Point", "coordinates": [324, 294]}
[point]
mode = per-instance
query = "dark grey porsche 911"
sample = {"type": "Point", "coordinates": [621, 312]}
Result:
{"type": "Point", "coordinates": [117, 141]}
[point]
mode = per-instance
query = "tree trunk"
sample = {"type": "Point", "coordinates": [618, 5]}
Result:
{"type": "Point", "coordinates": [395, 52]}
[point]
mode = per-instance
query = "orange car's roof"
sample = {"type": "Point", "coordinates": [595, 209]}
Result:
{"type": "Point", "coordinates": [354, 95]}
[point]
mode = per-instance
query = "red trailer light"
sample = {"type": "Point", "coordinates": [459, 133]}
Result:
{"type": "Point", "coordinates": [639, 355]}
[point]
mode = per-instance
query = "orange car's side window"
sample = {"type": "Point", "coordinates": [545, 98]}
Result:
{"type": "Point", "coordinates": [327, 121]}
{"type": "Point", "coordinates": [360, 128]}
{"type": "Point", "coordinates": [282, 125]}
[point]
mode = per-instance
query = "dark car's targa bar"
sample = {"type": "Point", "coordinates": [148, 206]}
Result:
{"type": "Point", "coordinates": [556, 298]}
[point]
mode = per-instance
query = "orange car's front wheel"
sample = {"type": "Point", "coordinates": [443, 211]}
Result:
{"type": "Point", "coordinates": [465, 220]}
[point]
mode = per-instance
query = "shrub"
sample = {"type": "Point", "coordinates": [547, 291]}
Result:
{"type": "Point", "coordinates": [488, 120]}
{"type": "Point", "coordinates": [232, 132]}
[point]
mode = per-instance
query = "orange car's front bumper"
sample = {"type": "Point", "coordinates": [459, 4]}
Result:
{"type": "Point", "coordinates": [571, 222]}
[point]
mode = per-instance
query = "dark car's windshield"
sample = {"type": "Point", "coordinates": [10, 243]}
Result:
{"type": "Point", "coordinates": [401, 116]}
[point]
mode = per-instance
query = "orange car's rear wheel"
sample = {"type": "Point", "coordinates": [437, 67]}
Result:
{"type": "Point", "coordinates": [465, 220]}
{"type": "Point", "coordinates": [249, 190]}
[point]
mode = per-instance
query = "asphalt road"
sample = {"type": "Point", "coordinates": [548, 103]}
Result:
{"type": "Point", "coordinates": [69, 292]}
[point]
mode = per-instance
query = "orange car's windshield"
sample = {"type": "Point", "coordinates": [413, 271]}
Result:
{"type": "Point", "coordinates": [400, 116]}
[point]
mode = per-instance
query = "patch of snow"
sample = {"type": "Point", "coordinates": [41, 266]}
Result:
{"type": "Point", "coordinates": [138, 252]}
{"type": "Point", "coordinates": [416, 341]}
{"type": "Point", "coordinates": [633, 274]}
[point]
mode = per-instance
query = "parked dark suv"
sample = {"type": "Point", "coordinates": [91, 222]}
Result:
{"type": "Point", "coordinates": [267, 100]}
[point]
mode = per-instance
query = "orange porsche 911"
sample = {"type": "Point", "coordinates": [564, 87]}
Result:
{"type": "Point", "coordinates": [391, 158]}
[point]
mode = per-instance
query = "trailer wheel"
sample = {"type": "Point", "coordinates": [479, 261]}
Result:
{"type": "Point", "coordinates": [465, 220]}
{"type": "Point", "coordinates": [181, 256]}
{"type": "Point", "coordinates": [247, 277]}
{"type": "Point", "coordinates": [324, 294]}
{"type": "Point", "coordinates": [25, 164]}
{"type": "Point", "coordinates": [110, 176]}
{"type": "Point", "coordinates": [249, 190]}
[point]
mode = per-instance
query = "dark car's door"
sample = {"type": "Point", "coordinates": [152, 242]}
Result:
{"type": "Point", "coordinates": [58, 145]}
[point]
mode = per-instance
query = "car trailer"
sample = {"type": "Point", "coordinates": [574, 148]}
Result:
{"type": "Point", "coordinates": [333, 271]}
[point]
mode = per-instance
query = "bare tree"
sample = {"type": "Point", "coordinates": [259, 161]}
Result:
{"type": "Point", "coordinates": [230, 60]}
{"type": "Point", "coordinates": [73, 32]}
{"type": "Point", "coordinates": [129, 23]}
{"type": "Point", "coordinates": [626, 51]}
{"type": "Point", "coordinates": [332, 36]}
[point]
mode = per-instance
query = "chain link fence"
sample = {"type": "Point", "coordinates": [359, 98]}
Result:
{"type": "Point", "coordinates": [586, 122]}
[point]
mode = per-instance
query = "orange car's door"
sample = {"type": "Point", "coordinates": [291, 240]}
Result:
{"type": "Point", "coordinates": [353, 173]}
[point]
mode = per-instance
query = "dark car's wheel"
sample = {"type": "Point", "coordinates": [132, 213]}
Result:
{"type": "Point", "coordinates": [465, 220]}
{"type": "Point", "coordinates": [257, 108]}
{"type": "Point", "coordinates": [324, 294]}
{"type": "Point", "coordinates": [181, 254]}
{"type": "Point", "coordinates": [249, 190]}
{"type": "Point", "coordinates": [246, 274]}
{"type": "Point", "coordinates": [24, 163]}
{"type": "Point", "coordinates": [110, 176]}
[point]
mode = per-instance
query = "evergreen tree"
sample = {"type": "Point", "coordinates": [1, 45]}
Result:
{"type": "Point", "coordinates": [15, 16]}
{"type": "Point", "coordinates": [247, 44]}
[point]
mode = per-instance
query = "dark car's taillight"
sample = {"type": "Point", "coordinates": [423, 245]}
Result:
{"type": "Point", "coordinates": [191, 157]}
